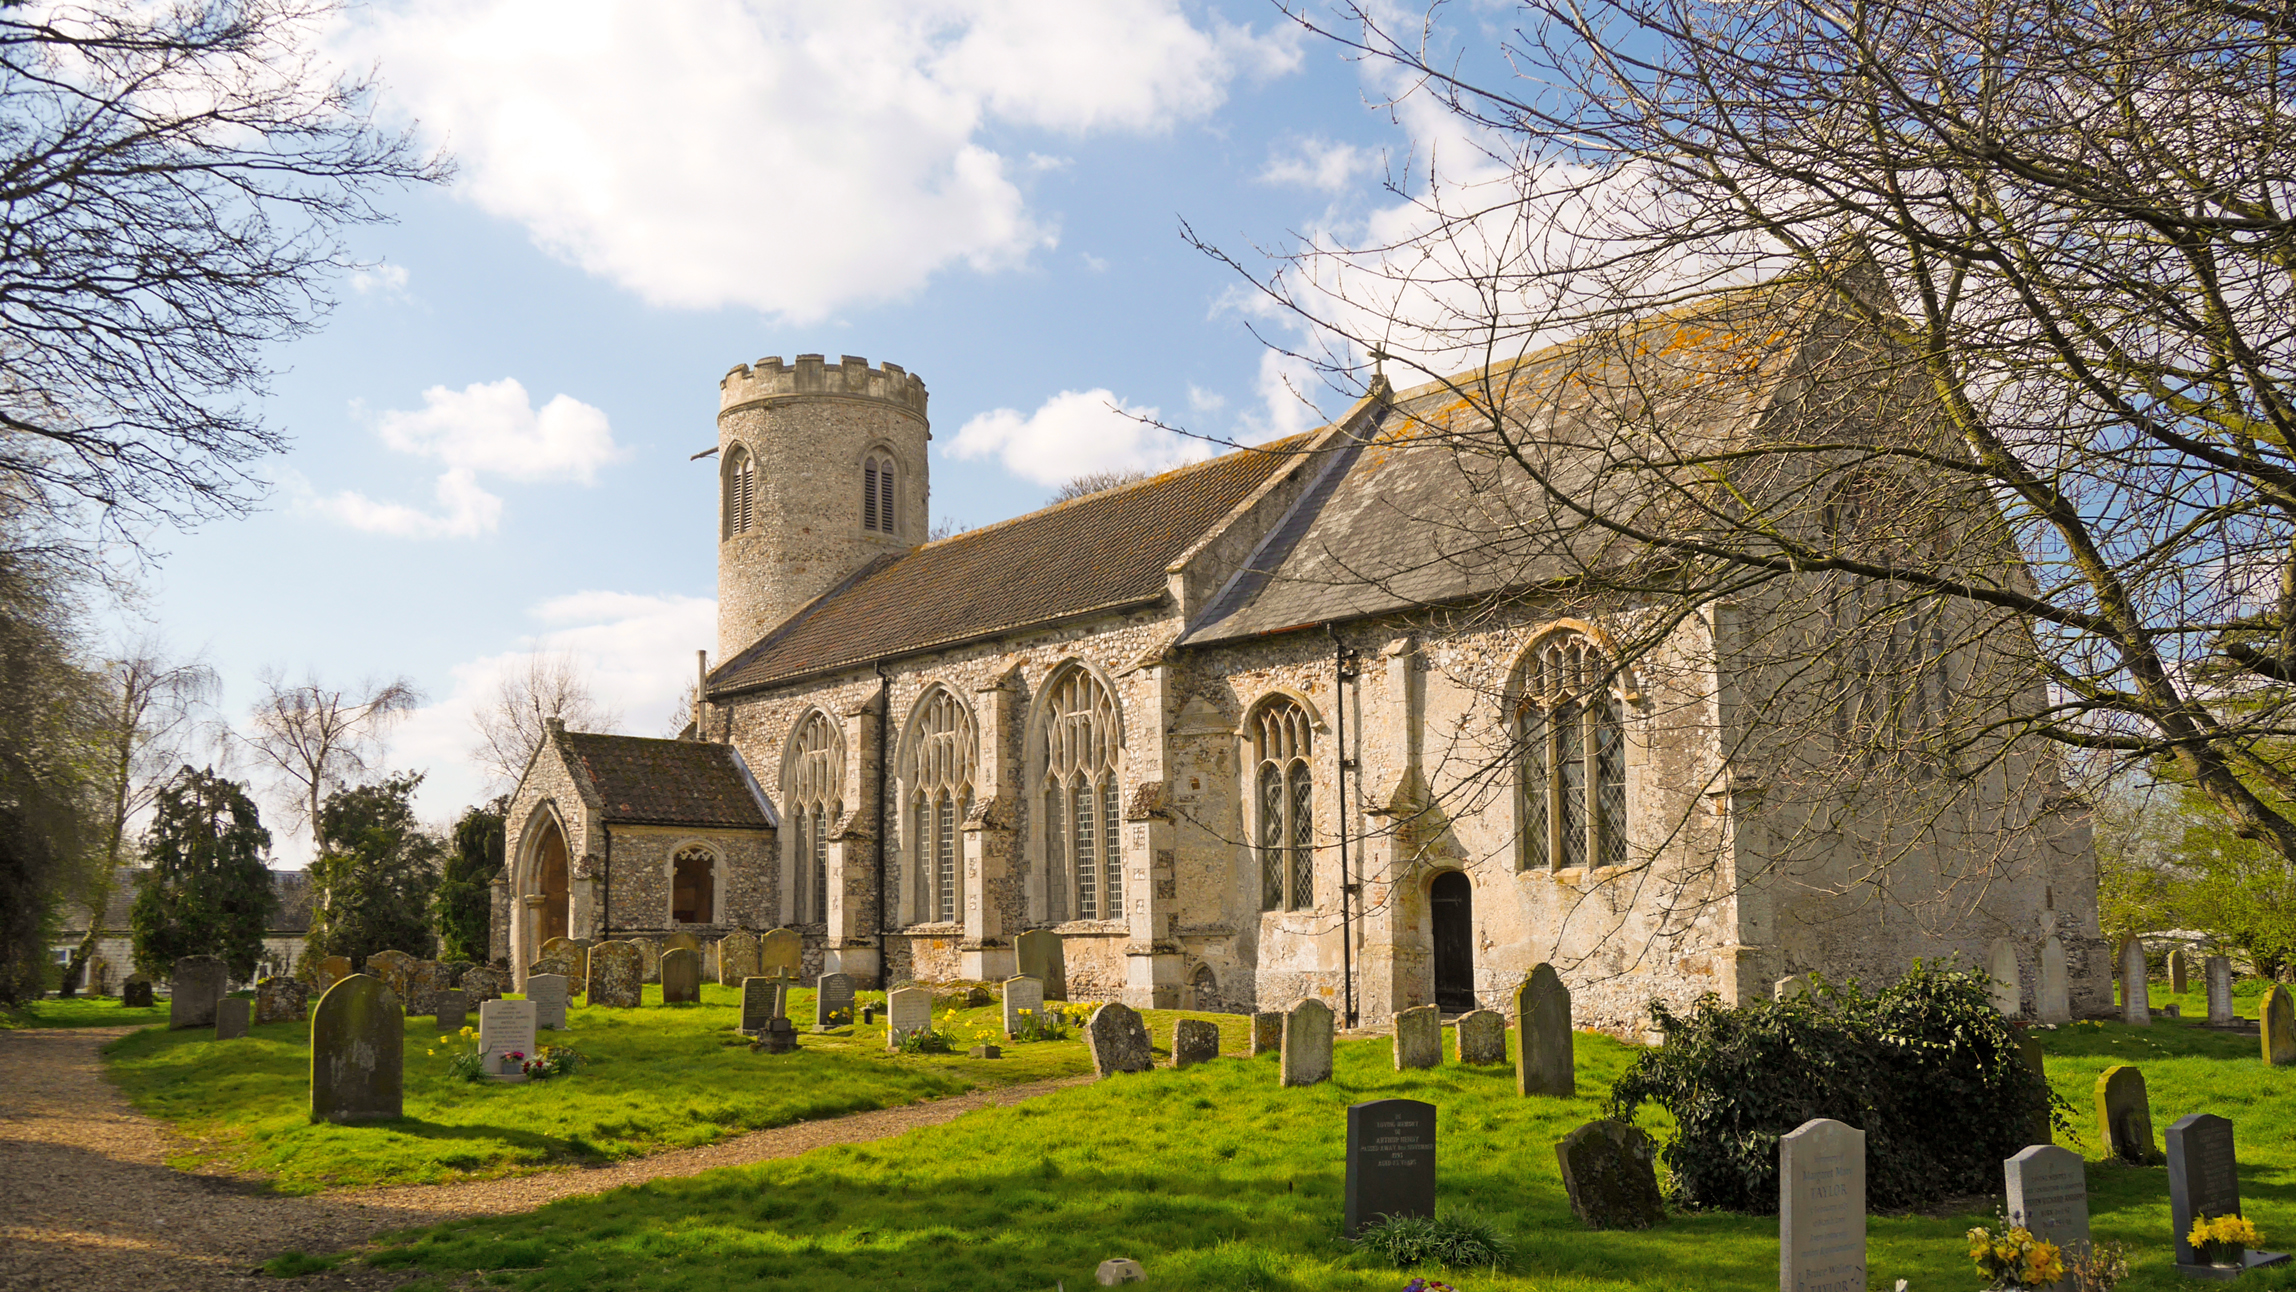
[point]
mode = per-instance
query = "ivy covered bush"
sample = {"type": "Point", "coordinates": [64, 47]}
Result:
{"type": "Point", "coordinates": [1926, 1067]}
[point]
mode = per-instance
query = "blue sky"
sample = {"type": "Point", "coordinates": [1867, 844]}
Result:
{"type": "Point", "coordinates": [492, 434]}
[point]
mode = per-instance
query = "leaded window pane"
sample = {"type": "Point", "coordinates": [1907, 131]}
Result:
{"type": "Point", "coordinates": [821, 867]}
{"type": "Point", "coordinates": [1536, 790]}
{"type": "Point", "coordinates": [1055, 857]}
{"type": "Point", "coordinates": [1610, 780]}
{"type": "Point", "coordinates": [944, 858]}
{"type": "Point", "coordinates": [1079, 742]}
{"type": "Point", "coordinates": [1302, 836]}
{"type": "Point", "coordinates": [1111, 856]}
{"type": "Point", "coordinates": [1271, 841]}
{"type": "Point", "coordinates": [1080, 848]}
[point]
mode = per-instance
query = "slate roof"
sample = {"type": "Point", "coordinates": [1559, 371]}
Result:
{"type": "Point", "coordinates": [644, 781]}
{"type": "Point", "coordinates": [292, 917]}
{"type": "Point", "coordinates": [1103, 552]}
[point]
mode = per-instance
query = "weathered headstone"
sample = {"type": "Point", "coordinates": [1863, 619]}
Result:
{"type": "Point", "coordinates": [681, 977]}
{"type": "Point", "coordinates": [2124, 1116]}
{"type": "Point", "coordinates": [681, 942]}
{"type": "Point", "coordinates": [1022, 994]}
{"type": "Point", "coordinates": [454, 970]}
{"type": "Point", "coordinates": [547, 993]}
{"type": "Point", "coordinates": [231, 1014]}
{"type": "Point", "coordinates": [779, 1035]}
{"type": "Point", "coordinates": [2220, 1010]}
{"type": "Point", "coordinates": [281, 1000]}
{"type": "Point", "coordinates": [2036, 1064]}
{"type": "Point", "coordinates": [483, 984]}
{"type": "Point", "coordinates": [2048, 1193]}
{"type": "Point", "coordinates": [1039, 954]}
{"type": "Point", "coordinates": [760, 1003]}
{"type": "Point", "coordinates": [1418, 1037]}
{"type": "Point", "coordinates": [358, 1053]}
{"type": "Point", "coordinates": [453, 1011]}
{"type": "Point", "coordinates": [1119, 1040]}
{"type": "Point", "coordinates": [780, 954]}
{"type": "Point", "coordinates": [1610, 1171]}
{"type": "Point", "coordinates": [1307, 1044]}
{"type": "Point", "coordinates": [2007, 987]}
{"type": "Point", "coordinates": [649, 958]}
{"type": "Point", "coordinates": [2278, 1017]}
{"type": "Point", "coordinates": [1194, 1041]}
{"type": "Point", "coordinates": [1790, 987]}
{"type": "Point", "coordinates": [907, 1009]}
{"type": "Point", "coordinates": [1821, 1208]}
{"type": "Point", "coordinates": [833, 1002]}
{"type": "Point", "coordinates": [135, 993]}
{"type": "Point", "coordinates": [425, 980]}
{"type": "Point", "coordinates": [329, 971]}
{"type": "Point", "coordinates": [1267, 1032]}
{"type": "Point", "coordinates": [573, 957]}
{"type": "Point", "coordinates": [617, 976]}
{"type": "Point", "coordinates": [1390, 1161]}
{"type": "Point", "coordinates": [737, 958]}
{"type": "Point", "coordinates": [2053, 1001]}
{"type": "Point", "coordinates": [2204, 1180]}
{"type": "Point", "coordinates": [2179, 975]}
{"type": "Point", "coordinates": [198, 983]}
{"type": "Point", "coordinates": [1544, 1062]}
{"type": "Point", "coordinates": [2136, 993]}
{"type": "Point", "coordinates": [393, 968]}
{"type": "Point", "coordinates": [1482, 1037]}
{"type": "Point", "coordinates": [506, 1027]}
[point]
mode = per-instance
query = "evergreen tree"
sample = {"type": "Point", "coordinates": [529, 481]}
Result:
{"type": "Point", "coordinates": [371, 886]}
{"type": "Point", "coordinates": [207, 891]}
{"type": "Point", "coordinates": [465, 906]}
{"type": "Point", "coordinates": [49, 706]}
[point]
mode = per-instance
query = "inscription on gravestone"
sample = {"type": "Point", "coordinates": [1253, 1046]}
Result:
{"type": "Point", "coordinates": [1022, 994]}
{"type": "Point", "coordinates": [2220, 1012]}
{"type": "Point", "coordinates": [759, 999]}
{"type": "Point", "coordinates": [1821, 1208]}
{"type": "Point", "coordinates": [505, 1027]}
{"type": "Point", "coordinates": [2048, 1193]}
{"type": "Point", "coordinates": [547, 993]}
{"type": "Point", "coordinates": [1390, 1161]}
{"type": "Point", "coordinates": [452, 1011]}
{"type": "Point", "coordinates": [833, 1002]}
{"type": "Point", "coordinates": [2204, 1180]}
{"type": "Point", "coordinates": [907, 1009]}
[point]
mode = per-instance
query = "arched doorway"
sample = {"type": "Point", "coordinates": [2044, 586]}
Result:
{"type": "Point", "coordinates": [553, 883]}
{"type": "Point", "coordinates": [1451, 900]}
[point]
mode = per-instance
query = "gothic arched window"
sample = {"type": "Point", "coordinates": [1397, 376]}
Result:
{"type": "Point", "coordinates": [937, 777]}
{"type": "Point", "coordinates": [1283, 804]}
{"type": "Point", "coordinates": [877, 506]}
{"type": "Point", "coordinates": [1084, 870]}
{"type": "Point", "coordinates": [1892, 682]}
{"type": "Point", "coordinates": [1570, 729]}
{"type": "Point", "coordinates": [740, 492]}
{"type": "Point", "coordinates": [813, 779]}
{"type": "Point", "coordinates": [693, 886]}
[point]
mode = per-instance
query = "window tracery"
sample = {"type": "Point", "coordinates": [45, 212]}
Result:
{"type": "Point", "coordinates": [937, 775]}
{"type": "Point", "coordinates": [813, 782]}
{"type": "Point", "coordinates": [1283, 782]}
{"type": "Point", "coordinates": [1571, 734]}
{"type": "Point", "coordinates": [1080, 740]}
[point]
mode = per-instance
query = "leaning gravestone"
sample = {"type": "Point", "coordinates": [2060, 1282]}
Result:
{"type": "Point", "coordinates": [2220, 1011]}
{"type": "Point", "coordinates": [737, 958]}
{"type": "Point", "coordinates": [1194, 1041]}
{"type": "Point", "coordinates": [197, 985]}
{"type": "Point", "coordinates": [2048, 1193]}
{"type": "Point", "coordinates": [2278, 1018]}
{"type": "Point", "coordinates": [1821, 1208]}
{"type": "Point", "coordinates": [1039, 954]}
{"type": "Point", "coordinates": [1610, 1172]}
{"type": "Point", "coordinates": [2136, 993]}
{"type": "Point", "coordinates": [1267, 1032]}
{"type": "Point", "coordinates": [617, 975]}
{"type": "Point", "coordinates": [681, 977]}
{"type": "Point", "coordinates": [483, 984]}
{"type": "Point", "coordinates": [547, 993]}
{"type": "Point", "coordinates": [1482, 1037]}
{"type": "Point", "coordinates": [281, 1000]}
{"type": "Point", "coordinates": [231, 1018]}
{"type": "Point", "coordinates": [2053, 1001]}
{"type": "Point", "coordinates": [1119, 1040]}
{"type": "Point", "coordinates": [329, 971]}
{"type": "Point", "coordinates": [832, 1002]}
{"type": "Point", "coordinates": [1543, 1059]}
{"type": "Point", "coordinates": [358, 1055]}
{"type": "Point", "coordinates": [1418, 1038]}
{"type": "Point", "coordinates": [1022, 995]}
{"type": "Point", "coordinates": [135, 993]}
{"type": "Point", "coordinates": [2124, 1116]}
{"type": "Point", "coordinates": [1307, 1044]}
{"type": "Point", "coordinates": [2178, 975]}
{"type": "Point", "coordinates": [453, 1011]}
{"type": "Point", "coordinates": [907, 1009]}
{"type": "Point", "coordinates": [505, 1028]}
{"type": "Point", "coordinates": [572, 954]}
{"type": "Point", "coordinates": [1390, 1161]}
{"type": "Point", "coordinates": [2204, 1181]}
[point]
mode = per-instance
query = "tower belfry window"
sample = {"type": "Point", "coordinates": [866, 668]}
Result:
{"type": "Point", "coordinates": [878, 511]}
{"type": "Point", "coordinates": [740, 492]}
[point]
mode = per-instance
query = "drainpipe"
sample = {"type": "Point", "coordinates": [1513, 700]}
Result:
{"type": "Point", "coordinates": [606, 900]}
{"type": "Point", "coordinates": [884, 706]}
{"type": "Point", "coordinates": [1343, 668]}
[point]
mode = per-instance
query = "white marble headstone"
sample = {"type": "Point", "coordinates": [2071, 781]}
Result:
{"type": "Point", "coordinates": [909, 1009]}
{"type": "Point", "coordinates": [2048, 1193]}
{"type": "Point", "coordinates": [1821, 1208]}
{"type": "Point", "coordinates": [505, 1026]}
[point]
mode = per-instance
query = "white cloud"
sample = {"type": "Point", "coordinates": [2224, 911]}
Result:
{"type": "Point", "coordinates": [1072, 433]}
{"type": "Point", "coordinates": [1204, 402]}
{"type": "Point", "coordinates": [465, 511]}
{"type": "Point", "coordinates": [1287, 386]}
{"type": "Point", "coordinates": [494, 427]}
{"type": "Point", "coordinates": [1320, 164]}
{"type": "Point", "coordinates": [387, 279]}
{"type": "Point", "coordinates": [793, 159]}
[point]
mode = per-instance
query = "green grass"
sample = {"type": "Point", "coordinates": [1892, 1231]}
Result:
{"type": "Point", "coordinates": [1216, 1179]}
{"type": "Point", "coordinates": [82, 1011]}
{"type": "Point", "coordinates": [2192, 1003]}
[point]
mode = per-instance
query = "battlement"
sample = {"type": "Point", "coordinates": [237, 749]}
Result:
{"type": "Point", "coordinates": [812, 376]}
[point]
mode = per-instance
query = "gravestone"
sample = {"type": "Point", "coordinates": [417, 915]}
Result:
{"type": "Point", "coordinates": [547, 993]}
{"type": "Point", "coordinates": [738, 959]}
{"type": "Point", "coordinates": [1791, 986]}
{"type": "Point", "coordinates": [1022, 994]}
{"type": "Point", "coordinates": [1119, 1040]}
{"type": "Point", "coordinates": [681, 942]}
{"type": "Point", "coordinates": [1610, 1171]}
{"type": "Point", "coordinates": [2006, 988]}
{"type": "Point", "coordinates": [483, 984]}
{"type": "Point", "coordinates": [1039, 954]}
{"type": "Point", "coordinates": [392, 967]}
{"type": "Point", "coordinates": [2053, 1000]}
{"type": "Point", "coordinates": [649, 958]}
{"type": "Point", "coordinates": [282, 1000]}
{"type": "Point", "coordinates": [197, 985]}
{"type": "Point", "coordinates": [1390, 1161]}
{"type": "Point", "coordinates": [358, 1056]}
{"type": "Point", "coordinates": [907, 1009]}
{"type": "Point", "coordinates": [779, 1035]}
{"type": "Point", "coordinates": [1267, 1032]}
{"type": "Point", "coordinates": [1307, 1044]}
{"type": "Point", "coordinates": [329, 971]}
{"type": "Point", "coordinates": [2036, 1064]}
{"type": "Point", "coordinates": [1543, 1058]}
{"type": "Point", "coordinates": [833, 1002]}
{"type": "Point", "coordinates": [426, 979]}
{"type": "Point", "coordinates": [1482, 1037]}
{"type": "Point", "coordinates": [2048, 1193]}
{"type": "Point", "coordinates": [454, 970]}
{"type": "Point", "coordinates": [231, 1014]}
{"type": "Point", "coordinates": [2204, 1180]}
{"type": "Point", "coordinates": [780, 954]}
{"type": "Point", "coordinates": [2136, 994]}
{"type": "Point", "coordinates": [1194, 1041]}
{"type": "Point", "coordinates": [505, 1027]}
{"type": "Point", "coordinates": [1821, 1208]}
{"type": "Point", "coordinates": [453, 1011]}
{"type": "Point", "coordinates": [1418, 1038]}
{"type": "Point", "coordinates": [573, 954]}
{"type": "Point", "coordinates": [2124, 1116]}
{"type": "Point", "coordinates": [135, 993]}
{"type": "Point", "coordinates": [2179, 976]}
{"type": "Point", "coordinates": [760, 1004]}
{"type": "Point", "coordinates": [617, 975]}
{"type": "Point", "coordinates": [2278, 1017]}
{"type": "Point", "coordinates": [2220, 1010]}
{"type": "Point", "coordinates": [681, 977]}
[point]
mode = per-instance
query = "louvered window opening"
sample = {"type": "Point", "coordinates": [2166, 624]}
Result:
{"type": "Point", "coordinates": [943, 750]}
{"type": "Point", "coordinates": [1084, 862]}
{"type": "Point", "coordinates": [1571, 731]}
{"type": "Point", "coordinates": [740, 492]}
{"type": "Point", "coordinates": [813, 781]}
{"type": "Point", "coordinates": [1283, 759]}
{"type": "Point", "coordinates": [877, 511]}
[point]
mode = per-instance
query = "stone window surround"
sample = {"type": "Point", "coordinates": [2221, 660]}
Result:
{"type": "Point", "coordinates": [1628, 698]}
{"type": "Point", "coordinates": [737, 492]}
{"type": "Point", "coordinates": [911, 783]}
{"type": "Point", "coordinates": [811, 802]}
{"type": "Point", "coordinates": [1036, 753]}
{"type": "Point", "coordinates": [717, 858]}
{"type": "Point", "coordinates": [1247, 765]}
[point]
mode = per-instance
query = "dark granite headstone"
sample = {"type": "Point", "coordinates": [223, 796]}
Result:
{"type": "Point", "coordinates": [1390, 1161]}
{"type": "Point", "coordinates": [1610, 1171]}
{"type": "Point", "coordinates": [135, 993]}
{"type": "Point", "coordinates": [760, 1004]}
{"type": "Point", "coordinates": [231, 1014]}
{"type": "Point", "coordinates": [2204, 1180]}
{"type": "Point", "coordinates": [833, 1002]}
{"type": "Point", "coordinates": [453, 1011]}
{"type": "Point", "coordinates": [197, 985]}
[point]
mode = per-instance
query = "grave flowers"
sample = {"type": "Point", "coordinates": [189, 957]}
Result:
{"type": "Point", "coordinates": [2015, 1257]}
{"type": "Point", "coordinates": [1041, 1025]}
{"type": "Point", "coordinates": [470, 1064]}
{"type": "Point", "coordinates": [2222, 1240]}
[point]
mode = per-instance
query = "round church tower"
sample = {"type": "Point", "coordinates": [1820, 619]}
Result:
{"type": "Point", "coordinates": [821, 469]}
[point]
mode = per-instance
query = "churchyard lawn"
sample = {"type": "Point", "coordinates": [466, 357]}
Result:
{"type": "Point", "coordinates": [82, 1011]}
{"type": "Point", "coordinates": [658, 1079]}
{"type": "Point", "coordinates": [1216, 1179]}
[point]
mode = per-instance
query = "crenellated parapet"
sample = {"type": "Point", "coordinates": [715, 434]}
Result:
{"type": "Point", "coordinates": [813, 377]}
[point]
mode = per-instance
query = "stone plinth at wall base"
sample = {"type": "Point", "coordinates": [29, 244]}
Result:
{"type": "Point", "coordinates": [2249, 1261]}
{"type": "Point", "coordinates": [986, 964]}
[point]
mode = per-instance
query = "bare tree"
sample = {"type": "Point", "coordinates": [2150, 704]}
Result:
{"type": "Point", "coordinates": [511, 722]}
{"type": "Point", "coordinates": [314, 738]}
{"type": "Point", "coordinates": [1092, 482]}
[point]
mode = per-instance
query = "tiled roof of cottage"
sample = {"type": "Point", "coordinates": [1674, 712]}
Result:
{"type": "Point", "coordinates": [292, 917]}
{"type": "Point", "coordinates": [1101, 552]}
{"type": "Point", "coordinates": [644, 781]}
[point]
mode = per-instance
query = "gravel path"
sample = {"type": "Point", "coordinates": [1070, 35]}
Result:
{"type": "Point", "coordinates": [87, 1201]}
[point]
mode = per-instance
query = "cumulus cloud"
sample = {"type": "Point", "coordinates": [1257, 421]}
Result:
{"type": "Point", "coordinates": [1319, 164]}
{"type": "Point", "coordinates": [1072, 433]}
{"type": "Point", "coordinates": [464, 511]}
{"type": "Point", "coordinates": [387, 279]}
{"type": "Point", "coordinates": [494, 427]}
{"type": "Point", "coordinates": [792, 159]}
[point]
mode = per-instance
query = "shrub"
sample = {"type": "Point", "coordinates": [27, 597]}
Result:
{"type": "Point", "coordinates": [1455, 1238]}
{"type": "Point", "coordinates": [1927, 1068]}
